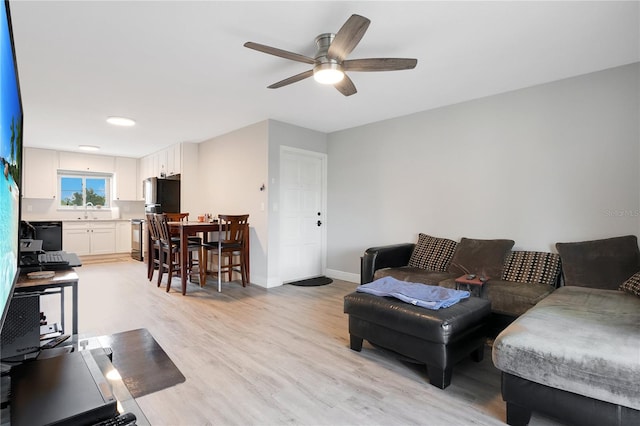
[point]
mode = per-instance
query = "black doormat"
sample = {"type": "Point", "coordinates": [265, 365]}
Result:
{"type": "Point", "coordinates": [143, 365]}
{"type": "Point", "coordinates": [311, 282]}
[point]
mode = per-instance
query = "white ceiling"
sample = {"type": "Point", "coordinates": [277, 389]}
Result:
{"type": "Point", "coordinates": [180, 69]}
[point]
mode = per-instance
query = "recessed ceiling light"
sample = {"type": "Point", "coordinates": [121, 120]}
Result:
{"type": "Point", "coordinates": [120, 121]}
{"type": "Point", "coordinates": [89, 147]}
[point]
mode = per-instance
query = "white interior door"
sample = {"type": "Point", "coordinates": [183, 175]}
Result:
{"type": "Point", "coordinates": [302, 205]}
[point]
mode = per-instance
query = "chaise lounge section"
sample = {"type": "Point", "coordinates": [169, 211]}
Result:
{"type": "Point", "coordinates": [576, 354]}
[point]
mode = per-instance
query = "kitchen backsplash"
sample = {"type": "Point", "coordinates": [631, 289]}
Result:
{"type": "Point", "coordinates": [40, 209]}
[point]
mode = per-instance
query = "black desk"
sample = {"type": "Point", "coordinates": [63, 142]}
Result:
{"type": "Point", "coordinates": [61, 279]}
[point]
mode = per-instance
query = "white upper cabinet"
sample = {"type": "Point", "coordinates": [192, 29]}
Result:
{"type": "Point", "coordinates": [126, 179]}
{"type": "Point", "coordinates": [39, 173]}
{"type": "Point", "coordinates": [86, 162]}
{"type": "Point", "coordinates": [167, 161]}
{"type": "Point", "coordinates": [174, 159]}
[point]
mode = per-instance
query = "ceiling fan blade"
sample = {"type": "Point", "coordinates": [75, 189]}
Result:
{"type": "Point", "coordinates": [348, 37]}
{"type": "Point", "coordinates": [379, 64]}
{"type": "Point", "coordinates": [279, 52]}
{"type": "Point", "coordinates": [292, 79]}
{"type": "Point", "coordinates": [346, 86]}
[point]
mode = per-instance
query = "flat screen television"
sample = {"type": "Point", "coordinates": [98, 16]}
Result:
{"type": "Point", "coordinates": [10, 162]}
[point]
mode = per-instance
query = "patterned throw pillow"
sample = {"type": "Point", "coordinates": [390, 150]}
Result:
{"type": "Point", "coordinates": [432, 254]}
{"type": "Point", "coordinates": [532, 267]}
{"type": "Point", "coordinates": [632, 285]}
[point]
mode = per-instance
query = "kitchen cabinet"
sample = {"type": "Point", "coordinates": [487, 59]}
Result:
{"type": "Point", "coordinates": [123, 237]}
{"type": "Point", "coordinates": [84, 237]}
{"type": "Point", "coordinates": [39, 173]}
{"type": "Point", "coordinates": [167, 161]}
{"type": "Point", "coordinates": [160, 167]}
{"type": "Point", "coordinates": [125, 179]}
{"type": "Point", "coordinates": [86, 162]}
{"type": "Point", "coordinates": [145, 168]}
{"type": "Point", "coordinates": [174, 159]}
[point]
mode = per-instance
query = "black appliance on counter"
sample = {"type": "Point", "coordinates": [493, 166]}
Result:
{"type": "Point", "coordinates": [50, 232]}
{"type": "Point", "coordinates": [161, 195]}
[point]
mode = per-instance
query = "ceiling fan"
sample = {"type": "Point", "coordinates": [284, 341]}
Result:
{"type": "Point", "coordinates": [330, 63]}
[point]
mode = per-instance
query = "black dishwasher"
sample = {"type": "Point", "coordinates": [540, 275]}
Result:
{"type": "Point", "coordinates": [50, 232]}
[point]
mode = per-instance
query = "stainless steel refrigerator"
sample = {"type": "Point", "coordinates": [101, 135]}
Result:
{"type": "Point", "coordinates": [161, 195]}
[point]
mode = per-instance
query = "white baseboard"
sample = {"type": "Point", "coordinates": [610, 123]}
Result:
{"type": "Point", "coordinates": [344, 276]}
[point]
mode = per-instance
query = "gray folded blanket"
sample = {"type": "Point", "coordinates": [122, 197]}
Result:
{"type": "Point", "coordinates": [423, 295]}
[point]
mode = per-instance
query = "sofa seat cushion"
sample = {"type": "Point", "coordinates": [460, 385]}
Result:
{"type": "Point", "coordinates": [513, 298]}
{"type": "Point", "coordinates": [508, 297]}
{"type": "Point", "coordinates": [413, 275]}
{"type": "Point", "coordinates": [581, 340]}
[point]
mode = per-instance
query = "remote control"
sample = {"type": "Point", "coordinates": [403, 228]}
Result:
{"type": "Point", "coordinates": [55, 342]}
{"type": "Point", "coordinates": [121, 420]}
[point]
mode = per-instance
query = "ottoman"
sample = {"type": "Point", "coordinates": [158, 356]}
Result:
{"type": "Point", "coordinates": [438, 338]}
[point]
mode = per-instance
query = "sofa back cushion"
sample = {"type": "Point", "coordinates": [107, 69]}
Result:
{"type": "Point", "coordinates": [432, 254]}
{"type": "Point", "coordinates": [605, 263]}
{"type": "Point", "coordinates": [480, 257]}
{"type": "Point", "coordinates": [532, 267]}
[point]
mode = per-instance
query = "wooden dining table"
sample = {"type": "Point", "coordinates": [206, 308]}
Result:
{"type": "Point", "coordinates": [186, 229]}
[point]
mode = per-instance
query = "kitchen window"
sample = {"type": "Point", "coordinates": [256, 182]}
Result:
{"type": "Point", "coordinates": [84, 189]}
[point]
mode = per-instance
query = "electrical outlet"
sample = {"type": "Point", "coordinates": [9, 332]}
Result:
{"type": "Point", "coordinates": [29, 207]}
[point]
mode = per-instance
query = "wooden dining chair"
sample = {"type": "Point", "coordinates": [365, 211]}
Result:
{"type": "Point", "coordinates": [183, 217]}
{"type": "Point", "coordinates": [170, 252]}
{"type": "Point", "coordinates": [232, 231]}
{"type": "Point", "coordinates": [177, 217]}
{"type": "Point", "coordinates": [153, 262]}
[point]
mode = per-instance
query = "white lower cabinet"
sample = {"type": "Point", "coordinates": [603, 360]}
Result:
{"type": "Point", "coordinates": [85, 238]}
{"type": "Point", "coordinates": [123, 237]}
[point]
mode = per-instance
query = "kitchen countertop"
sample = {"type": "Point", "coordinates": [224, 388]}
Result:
{"type": "Point", "coordinates": [78, 220]}
{"type": "Point", "coordinates": [95, 220]}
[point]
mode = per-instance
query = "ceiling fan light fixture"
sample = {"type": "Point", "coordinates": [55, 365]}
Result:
{"type": "Point", "coordinates": [328, 73]}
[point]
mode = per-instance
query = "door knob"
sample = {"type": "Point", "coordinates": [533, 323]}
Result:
{"type": "Point", "coordinates": [319, 223]}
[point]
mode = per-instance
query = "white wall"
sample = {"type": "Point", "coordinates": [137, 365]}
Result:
{"type": "Point", "coordinates": [231, 169]}
{"type": "Point", "coordinates": [555, 162]}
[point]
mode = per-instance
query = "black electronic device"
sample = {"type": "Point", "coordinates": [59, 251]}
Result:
{"type": "Point", "coordinates": [11, 120]}
{"type": "Point", "coordinates": [124, 419]}
{"type": "Point", "coordinates": [55, 341]}
{"type": "Point", "coordinates": [30, 249]}
{"type": "Point", "coordinates": [69, 389]}
{"type": "Point", "coordinates": [21, 331]}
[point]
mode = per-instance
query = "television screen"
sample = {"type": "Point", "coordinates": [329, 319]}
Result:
{"type": "Point", "coordinates": [10, 162]}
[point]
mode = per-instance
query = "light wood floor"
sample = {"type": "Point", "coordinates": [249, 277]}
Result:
{"type": "Point", "coordinates": [253, 356]}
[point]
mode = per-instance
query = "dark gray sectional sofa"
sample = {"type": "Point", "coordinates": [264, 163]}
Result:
{"type": "Point", "coordinates": [517, 279]}
{"type": "Point", "coordinates": [573, 352]}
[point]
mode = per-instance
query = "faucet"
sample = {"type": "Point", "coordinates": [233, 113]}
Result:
{"type": "Point", "coordinates": [86, 209]}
